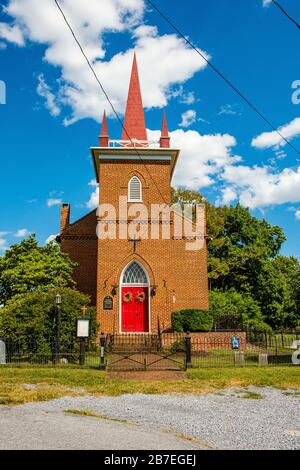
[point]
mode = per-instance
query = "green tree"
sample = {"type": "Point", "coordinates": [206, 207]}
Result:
{"type": "Point", "coordinates": [244, 257]}
{"type": "Point", "coordinates": [27, 266]}
{"type": "Point", "coordinates": [233, 303]}
{"type": "Point", "coordinates": [278, 288]}
{"type": "Point", "coordinates": [31, 316]}
{"type": "Point", "coordinates": [240, 247]}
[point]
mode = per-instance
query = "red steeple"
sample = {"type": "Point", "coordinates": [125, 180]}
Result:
{"type": "Point", "coordinates": [134, 121]}
{"type": "Point", "coordinates": [164, 138]}
{"type": "Point", "coordinates": [104, 137]}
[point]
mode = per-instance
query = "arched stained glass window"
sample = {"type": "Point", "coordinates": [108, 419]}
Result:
{"type": "Point", "coordinates": [134, 190]}
{"type": "Point", "coordinates": [134, 274]}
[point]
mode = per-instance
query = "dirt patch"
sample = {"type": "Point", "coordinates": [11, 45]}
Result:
{"type": "Point", "coordinates": [152, 375]}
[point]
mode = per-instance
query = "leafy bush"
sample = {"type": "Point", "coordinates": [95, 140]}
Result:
{"type": "Point", "coordinates": [192, 320]}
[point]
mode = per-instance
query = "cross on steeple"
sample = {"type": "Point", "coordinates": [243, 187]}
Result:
{"type": "Point", "coordinates": [134, 241]}
{"type": "Point", "coordinates": [84, 309]}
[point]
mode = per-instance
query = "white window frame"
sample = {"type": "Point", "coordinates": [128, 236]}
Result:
{"type": "Point", "coordinates": [129, 191]}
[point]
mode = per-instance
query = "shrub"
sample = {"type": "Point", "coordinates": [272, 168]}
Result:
{"type": "Point", "coordinates": [192, 320]}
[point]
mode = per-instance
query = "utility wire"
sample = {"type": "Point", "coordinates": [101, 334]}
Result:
{"type": "Point", "coordinates": [106, 96]}
{"type": "Point", "coordinates": [286, 14]}
{"type": "Point", "coordinates": [221, 75]}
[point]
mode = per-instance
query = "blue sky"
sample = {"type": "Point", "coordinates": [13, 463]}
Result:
{"type": "Point", "coordinates": [53, 105]}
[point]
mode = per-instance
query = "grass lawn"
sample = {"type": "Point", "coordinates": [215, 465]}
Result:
{"type": "Point", "coordinates": [26, 384]}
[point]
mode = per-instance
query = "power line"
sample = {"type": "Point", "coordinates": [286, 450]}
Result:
{"type": "Point", "coordinates": [222, 75]}
{"type": "Point", "coordinates": [106, 96]}
{"type": "Point", "coordinates": [286, 14]}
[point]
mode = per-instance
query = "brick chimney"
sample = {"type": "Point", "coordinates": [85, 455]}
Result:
{"type": "Point", "coordinates": [64, 216]}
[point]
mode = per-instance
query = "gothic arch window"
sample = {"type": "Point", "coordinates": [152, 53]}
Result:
{"type": "Point", "coordinates": [134, 274]}
{"type": "Point", "coordinates": [134, 190]}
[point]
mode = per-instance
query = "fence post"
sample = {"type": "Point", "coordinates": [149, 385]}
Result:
{"type": "Point", "coordinates": [188, 351]}
{"type": "Point", "coordinates": [102, 344]}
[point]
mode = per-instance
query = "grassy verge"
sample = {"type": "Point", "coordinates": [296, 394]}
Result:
{"type": "Point", "coordinates": [26, 384]}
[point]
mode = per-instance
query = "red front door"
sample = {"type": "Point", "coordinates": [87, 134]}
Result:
{"type": "Point", "coordinates": [135, 317]}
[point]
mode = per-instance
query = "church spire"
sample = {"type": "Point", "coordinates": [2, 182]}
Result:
{"type": "Point", "coordinates": [164, 140]}
{"type": "Point", "coordinates": [104, 137]}
{"type": "Point", "coordinates": [134, 121]}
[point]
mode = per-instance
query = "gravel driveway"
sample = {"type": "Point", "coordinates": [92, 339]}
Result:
{"type": "Point", "coordinates": [225, 420]}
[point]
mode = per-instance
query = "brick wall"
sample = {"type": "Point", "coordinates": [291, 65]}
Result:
{"type": "Point", "coordinates": [180, 276]}
{"type": "Point", "coordinates": [207, 341]}
{"type": "Point", "coordinates": [79, 240]}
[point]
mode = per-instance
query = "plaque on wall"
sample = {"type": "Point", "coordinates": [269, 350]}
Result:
{"type": "Point", "coordinates": [108, 303]}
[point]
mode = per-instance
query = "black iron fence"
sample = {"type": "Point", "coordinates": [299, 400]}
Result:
{"type": "Point", "coordinates": [45, 353]}
{"type": "Point", "coordinates": [175, 351]}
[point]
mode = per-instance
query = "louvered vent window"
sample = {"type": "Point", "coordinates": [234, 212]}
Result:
{"type": "Point", "coordinates": [134, 274]}
{"type": "Point", "coordinates": [134, 190]}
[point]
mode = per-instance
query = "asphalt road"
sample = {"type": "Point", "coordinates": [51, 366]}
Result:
{"type": "Point", "coordinates": [22, 428]}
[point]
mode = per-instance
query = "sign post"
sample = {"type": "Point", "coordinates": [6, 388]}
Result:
{"type": "Point", "coordinates": [82, 332]}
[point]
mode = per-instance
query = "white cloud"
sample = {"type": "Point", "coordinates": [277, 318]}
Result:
{"type": "Point", "coordinates": [228, 109]}
{"type": "Point", "coordinates": [22, 232]}
{"type": "Point", "coordinates": [228, 195]}
{"type": "Point", "coordinates": [158, 56]}
{"type": "Point", "coordinates": [208, 159]}
{"type": "Point", "coordinates": [188, 98]}
{"type": "Point", "coordinates": [266, 3]}
{"type": "Point", "coordinates": [50, 238]}
{"type": "Point", "coordinates": [271, 139]}
{"type": "Point", "coordinates": [3, 234]}
{"type": "Point", "coordinates": [44, 90]}
{"type": "Point", "coordinates": [93, 202]}
{"type": "Point", "coordinates": [202, 157]}
{"type": "Point", "coordinates": [188, 118]}
{"type": "Point", "coordinates": [297, 214]}
{"type": "Point", "coordinates": [53, 202]}
{"type": "Point", "coordinates": [263, 186]}
{"type": "Point", "coordinates": [3, 244]}
{"type": "Point", "coordinates": [12, 34]}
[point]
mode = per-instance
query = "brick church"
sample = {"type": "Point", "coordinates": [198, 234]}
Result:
{"type": "Point", "coordinates": [135, 282]}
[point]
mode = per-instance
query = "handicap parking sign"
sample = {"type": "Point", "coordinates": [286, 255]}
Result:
{"type": "Point", "coordinates": [235, 342]}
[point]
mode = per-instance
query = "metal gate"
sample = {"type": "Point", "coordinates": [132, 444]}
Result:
{"type": "Point", "coordinates": [145, 352]}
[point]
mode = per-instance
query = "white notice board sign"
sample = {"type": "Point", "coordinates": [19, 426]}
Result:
{"type": "Point", "coordinates": [83, 327]}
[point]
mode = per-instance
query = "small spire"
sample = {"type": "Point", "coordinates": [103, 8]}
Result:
{"type": "Point", "coordinates": [104, 137]}
{"type": "Point", "coordinates": [164, 138]}
{"type": "Point", "coordinates": [134, 121]}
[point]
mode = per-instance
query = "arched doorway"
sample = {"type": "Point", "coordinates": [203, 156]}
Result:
{"type": "Point", "coordinates": [134, 308]}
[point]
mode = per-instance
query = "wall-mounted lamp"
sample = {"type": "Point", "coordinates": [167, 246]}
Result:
{"type": "Point", "coordinates": [153, 290]}
{"type": "Point", "coordinates": [114, 289]}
